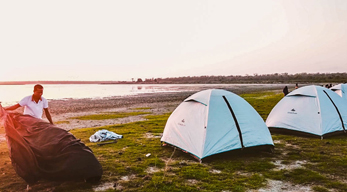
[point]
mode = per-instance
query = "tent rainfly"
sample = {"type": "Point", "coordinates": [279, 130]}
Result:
{"type": "Point", "coordinates": [310, 110]}
{"type": "Point", "coordinates": [341, 89]}
{"type": "Point", "coordinates": [215, 121]}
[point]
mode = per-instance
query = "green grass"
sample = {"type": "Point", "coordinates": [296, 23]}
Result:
{"type": "Point", "coordinates": [61, 122]}
{"type": "Point", "coordinates": [142, 108]}
{"type": "Point", "coordinates": [324, 168]}
{"type": "Point", "coordinates": [263, 102]}
{"type": "Point", "coordinates": [113, 115]}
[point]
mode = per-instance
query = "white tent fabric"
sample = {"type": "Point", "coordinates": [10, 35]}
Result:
{"type": "Point", "coordinates": [341, 89]}
{"type": "Point", "coordinates": [209, 122]}
{"type": "Point", "coordinates": [311, 109]}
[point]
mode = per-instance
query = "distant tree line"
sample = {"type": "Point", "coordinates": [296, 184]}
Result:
{"type": "Point", "coordinates": [256, 78]}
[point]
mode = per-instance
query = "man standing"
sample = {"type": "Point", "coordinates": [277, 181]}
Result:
{"type": "Point", "coordinates": [285, 90]}
{"type": "Point", "coordinates": [34, 104]}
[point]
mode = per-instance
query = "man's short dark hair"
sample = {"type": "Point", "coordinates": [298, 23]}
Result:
{"type": "Point", "coordinates": [38, 86]}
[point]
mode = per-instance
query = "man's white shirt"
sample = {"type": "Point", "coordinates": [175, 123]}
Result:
{"type": "Point", "coordinates": [32, 108]}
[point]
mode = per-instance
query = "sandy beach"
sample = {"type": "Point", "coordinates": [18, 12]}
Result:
{"type": "Point", "coordinates": [157, 103]}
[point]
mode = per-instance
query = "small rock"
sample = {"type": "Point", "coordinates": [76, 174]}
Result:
{"type": "Point", "coordinates": [147, 177]}
{"type": "Point", "coordinates": [183, 163]}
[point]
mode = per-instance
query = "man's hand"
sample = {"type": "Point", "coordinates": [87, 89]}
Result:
{"type": "Point", "coordinates": [48, 115]}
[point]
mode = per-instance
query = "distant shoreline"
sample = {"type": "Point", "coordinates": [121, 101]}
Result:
{"type": "Point", "coordinates": [116, 82]}
{"type": "Point", "coordinates": [137, 83]}
{"type": "Point", "coordinates": [62, 82]}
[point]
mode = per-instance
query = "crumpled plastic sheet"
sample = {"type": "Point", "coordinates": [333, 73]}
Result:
{"type": "Point", "coordinates": [104, 135]}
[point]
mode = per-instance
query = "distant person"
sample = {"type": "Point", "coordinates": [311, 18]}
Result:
{"type": "Point", "coordinates": [330, 86]}
{"type": "Point", "coordinates": [296, 86]}
{"type": "Point", "coordinates": [34, 104]}
{"type": "Point", "coordinates": [285, 90]}
{"type": "Point", "coordinates": [327, 86]}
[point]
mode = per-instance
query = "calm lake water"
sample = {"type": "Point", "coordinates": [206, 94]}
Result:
{"type": "Point", "coordinates": [11, 94]}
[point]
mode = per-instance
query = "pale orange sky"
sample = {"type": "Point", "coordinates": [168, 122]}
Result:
{"type": "Point", "coordinates": [120, 40]}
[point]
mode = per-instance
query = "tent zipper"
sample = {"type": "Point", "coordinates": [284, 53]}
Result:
{"type": "Point", "coordinates": [236, 122]}
{"type": "Point", "coordinates": [343, 126]}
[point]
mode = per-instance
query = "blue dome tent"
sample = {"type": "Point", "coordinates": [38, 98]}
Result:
{"type": "Point", "coordinates": [215, 121]}
{"type": "Point", "coordinates": [310, 110]}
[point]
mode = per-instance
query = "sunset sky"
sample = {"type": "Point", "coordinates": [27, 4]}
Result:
{"type": "Point", "coordinates": [120, 40]}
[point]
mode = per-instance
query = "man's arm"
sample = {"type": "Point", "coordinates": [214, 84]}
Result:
{"type": "Point", "coordinates": [48, 115]}
{"type": "Point", "coordinates": [13, 107]}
